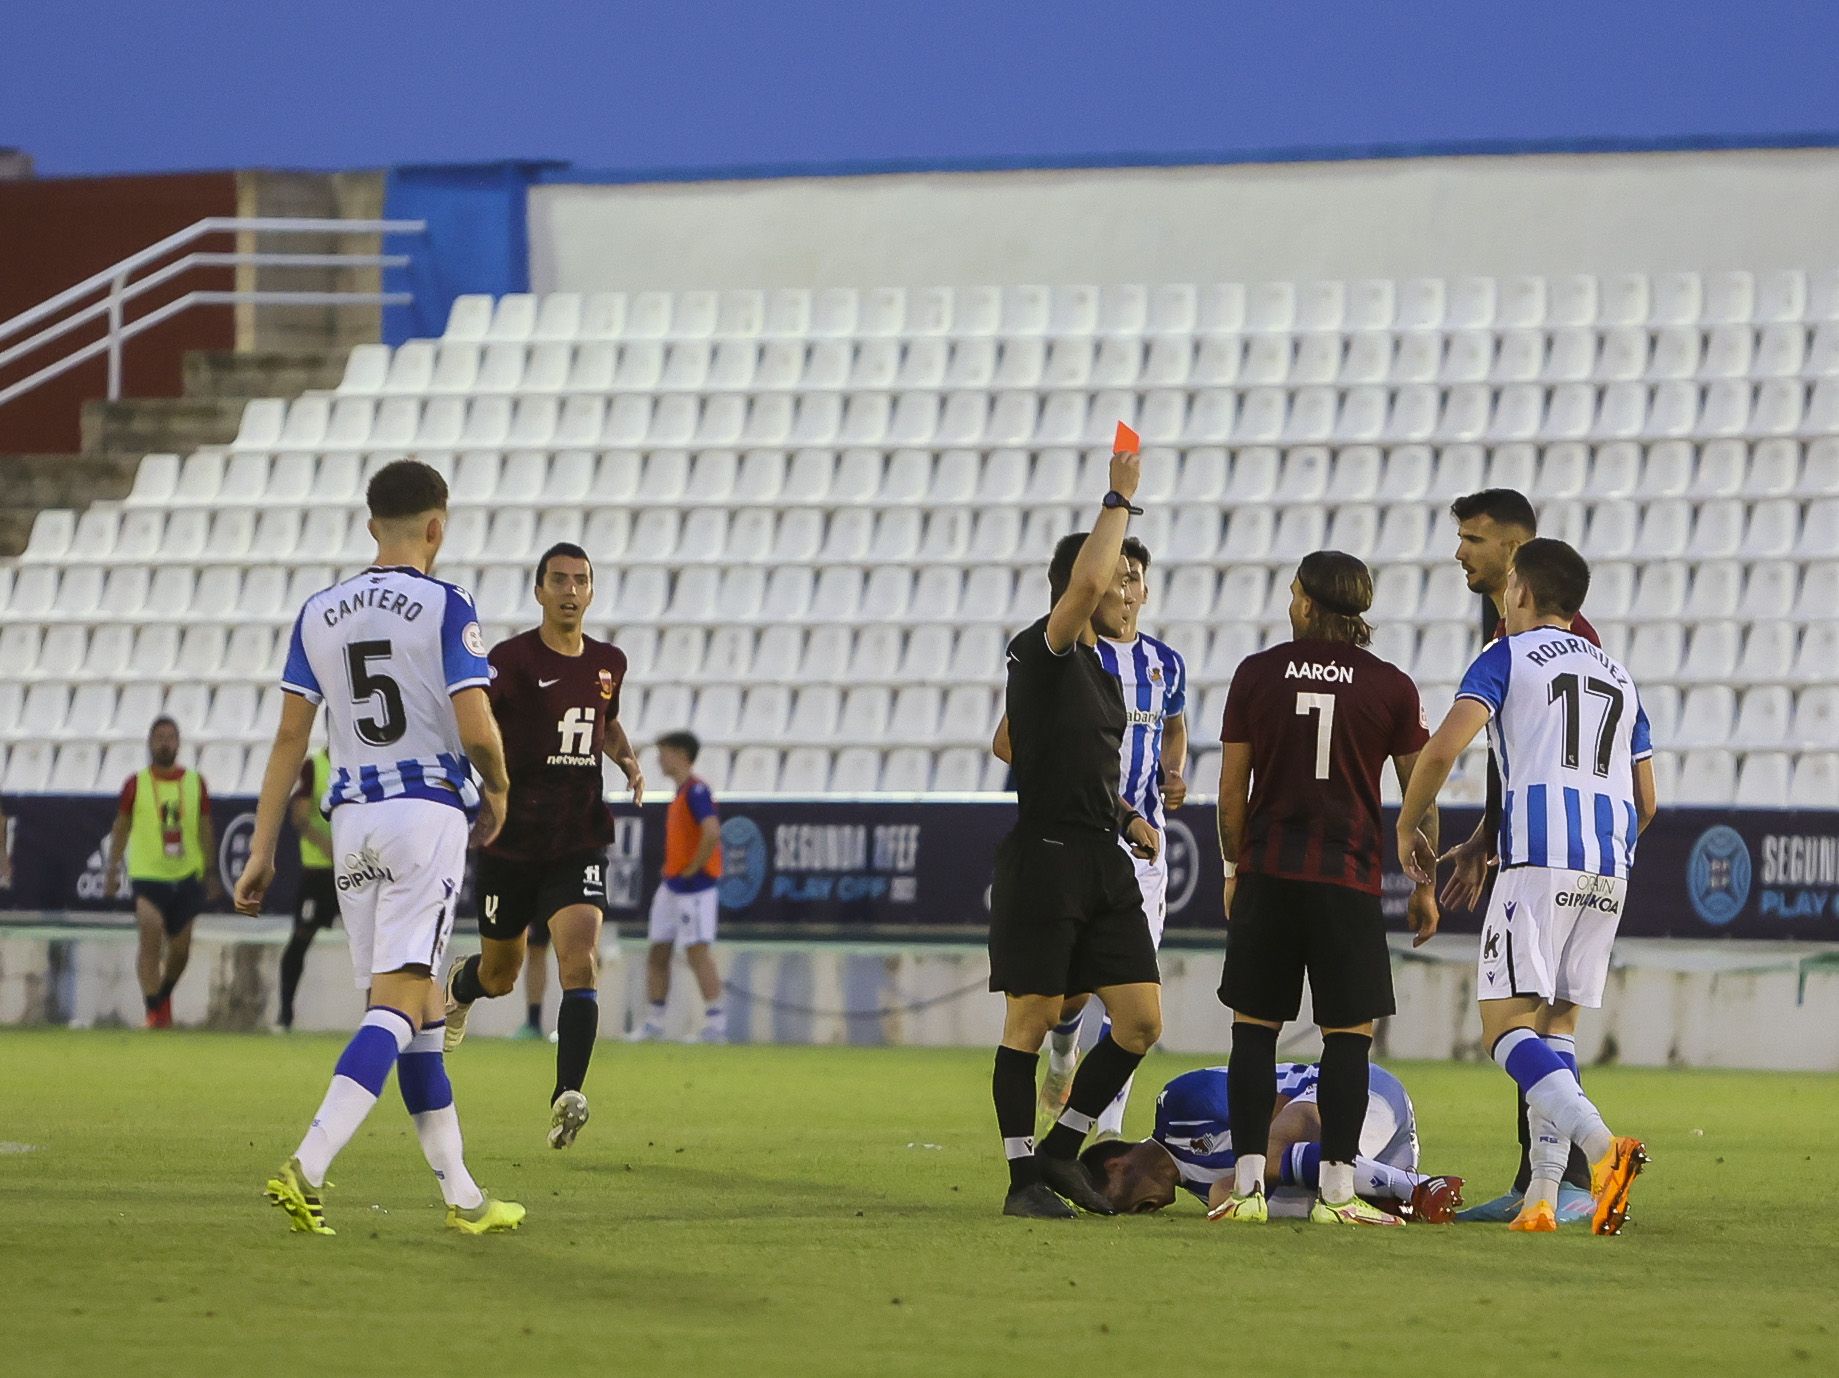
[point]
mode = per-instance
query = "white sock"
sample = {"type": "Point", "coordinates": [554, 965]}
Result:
{"type": "Point", "coordinates": [439, 1129]}
{"type": "Point", "coordinates": [1337, 1182]}
{"type": "Point", "coordinates": [1063, 1047]}
{"type": "Point", "coordinates": [439, 1132]}
{"type": "Point", "coordinates": [1549, 1154]}
{"type": "Point", "coordinates": [1248, 1174]}
{"type": "Point", "coordinates": [1377, 1179]}
{"type": "Point", "coordinates": [714, 1018]}
{"type": "Point", "coordinates": [356, 1083]}
{"type": "Point", "coordinates": [1111, 1118]}
{"type": "Point", "coordinates": [1556, 1095]}
{"type": "Point", "coordinates": [655, 1019]}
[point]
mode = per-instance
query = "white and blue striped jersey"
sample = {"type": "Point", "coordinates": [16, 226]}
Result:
{"type": "Point", "coordinates": [1194, 1120]}
{"type": "Point", "coordinates": [1154, 680]}
{"type": "Point", "coordinates": [1567, 727]}
{"type": "Point", "coordinates": [385, 651]}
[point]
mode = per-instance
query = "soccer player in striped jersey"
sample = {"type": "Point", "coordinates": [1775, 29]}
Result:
{"type": "Point", "coordinates": [1567, 726]}
{"type": "Point", "coordinates": [1490, 526]}
{"type": "Point", "coordinates": [398, 660]}
{"type": "Point", "coordinates": [1154, 681]}
{"type": "Point", "coordinates": [1191, 1149]}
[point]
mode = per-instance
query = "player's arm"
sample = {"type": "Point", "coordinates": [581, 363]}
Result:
{"type": "Point", "coordinates": [619, 751]}
{"type": "Point", "coordinates": [484, 746]}
{"type": "Point", "coordinates": [6, 854]}
{"type": "Point", "coordinates": [1641, 744]}
{"type": "Point", "coordinates": [1421, 910]}
{"type": "Point", "coordinates": [292, 737]}
{"type": "Point", "coordinates": [1001, 747]}
{"type": "Point", "coordinates": [1235, 799]}
{"type": "Point", "coordinates": [1416, 852]}
{"type": "Point", "coordinates": [1175, 760]}
{"type": "Point", "coordinates": [118, 843]}
{"type": "Point", "coordinates": [1096, 566]}
{"type": "Point", "coordinates": [707, 840]}
{"type": "Point", "coordinates": [1647, 798]}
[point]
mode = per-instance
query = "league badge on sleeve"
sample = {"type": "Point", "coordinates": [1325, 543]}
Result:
{"type": "Point", "coordinates": [606, 684]}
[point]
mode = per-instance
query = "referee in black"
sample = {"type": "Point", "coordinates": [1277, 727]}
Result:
{"type": "Point", "coordinates": [1066, 915]}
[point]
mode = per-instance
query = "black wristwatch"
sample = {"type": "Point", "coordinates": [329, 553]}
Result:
{"type": "Point", "coordinates": [1117, 499]}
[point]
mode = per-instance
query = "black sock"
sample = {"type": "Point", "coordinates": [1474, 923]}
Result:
{"type": "Point", "coordinates": [165, 992]}
{"type": "Point", "coordinates": [1012, 1087]}
{"type": "Point", "coordinates": [1523, 1178]}
{"type": "Point", "coordinates": [576, 1028]}
{"type": "Point", "coordinates": [1101, 1075]}
{"type": "Point", "coordinates": [466, 987]}
{"type": "Point", "coordinates": [153, 1002]}
{"type": "Point", "coordinates": [1251, 1086]}
{"type": "Point", "coordinates": [533, 1016]}
{"type": "Point", "coordinates": [293, 963]}
{"type": "Point", "coordinates": [1341, 1094]}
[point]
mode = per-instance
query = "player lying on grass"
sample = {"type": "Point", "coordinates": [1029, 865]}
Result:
{"type": "Point", "coordinates": [1192, 1148]}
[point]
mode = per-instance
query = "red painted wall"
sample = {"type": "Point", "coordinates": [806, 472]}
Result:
{"type": "Point", "coordinates": [53, 234]}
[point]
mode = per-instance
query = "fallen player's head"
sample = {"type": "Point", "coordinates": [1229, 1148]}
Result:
{"type": "Point", "coordinates": [1134, 1177]}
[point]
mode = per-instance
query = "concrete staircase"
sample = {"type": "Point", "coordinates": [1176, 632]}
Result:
{"type": "Point", "coordinates": [117, 434]}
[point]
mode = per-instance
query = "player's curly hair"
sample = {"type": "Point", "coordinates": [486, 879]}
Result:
{"type": "Point", "coordinates": [1341, 587]}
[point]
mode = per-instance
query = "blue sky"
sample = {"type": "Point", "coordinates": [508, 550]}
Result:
{"type": "Point", "coordinates": [114, 86]}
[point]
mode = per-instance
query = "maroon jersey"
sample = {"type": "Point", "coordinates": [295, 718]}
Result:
{"type": "Point", "coordinates": [1321, 718]}
{"type": "Point", "coordinates": [554, 711]}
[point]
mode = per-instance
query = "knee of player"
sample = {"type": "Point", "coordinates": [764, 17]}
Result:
{"type": "Point", "coordinates": [579, 971]}
{"type": "Point", "coordinates": [1137, 1033]}
{"type": "Point", "coordinates": [497, 979]}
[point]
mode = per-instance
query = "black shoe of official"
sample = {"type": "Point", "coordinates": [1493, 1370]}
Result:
{"type": "Point", "coordinates": [1037, 1202]}
{"type": "Point", "coordinates": [1069, 1177]}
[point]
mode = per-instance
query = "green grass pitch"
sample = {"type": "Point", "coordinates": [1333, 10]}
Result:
{"type": "Point", "coordinates": [835, 1211]}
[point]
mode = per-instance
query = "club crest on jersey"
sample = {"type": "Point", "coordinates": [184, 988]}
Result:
{"type": "Point", "coordinates": [1155, 674]}
{"type": "Point", "coordinates": [606, 684]}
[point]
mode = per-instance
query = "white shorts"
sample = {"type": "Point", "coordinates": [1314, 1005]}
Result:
{"type": "Point", "coordinates": [398, 865]}
{"type": "Point", "coordinates": [1549, 933]}
{"type": "Point", "coordinates": [1153, 881]}
{"type": "Point", "coordinates": [684, 920]}
{"type": "Point", "coordinates": [1389, 1134]}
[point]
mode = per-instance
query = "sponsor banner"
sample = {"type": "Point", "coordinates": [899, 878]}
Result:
{"type": "Point", "coordinates": [828, 863]}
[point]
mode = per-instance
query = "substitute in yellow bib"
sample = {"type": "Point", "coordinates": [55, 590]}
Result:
{"type": "Point", "coordinates": [164, 828]}
{"type": "Point", "coordinates": [316, 904]}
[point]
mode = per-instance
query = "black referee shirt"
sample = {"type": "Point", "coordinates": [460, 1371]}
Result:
{"type": "Point", "coordinates": [1066, 731]}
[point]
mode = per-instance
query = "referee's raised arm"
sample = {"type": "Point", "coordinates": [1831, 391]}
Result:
{"type": "Point", "coordinates": [1096, 566]}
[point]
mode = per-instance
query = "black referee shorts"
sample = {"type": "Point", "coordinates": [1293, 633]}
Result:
{"type": "Point", "coordinates": [1066, 916]}
{"type": "Point", "coordinates": [1283, 928]}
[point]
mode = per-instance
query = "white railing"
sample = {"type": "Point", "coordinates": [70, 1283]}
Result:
{"type": "Point", "coordinates": [118, 286]}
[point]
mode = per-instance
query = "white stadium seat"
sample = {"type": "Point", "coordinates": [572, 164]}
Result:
{"type": "Point", "coordinates": [825, 510]}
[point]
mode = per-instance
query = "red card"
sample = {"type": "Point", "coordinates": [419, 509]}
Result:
{"type": "Point", "coordinates": [1128, 442]}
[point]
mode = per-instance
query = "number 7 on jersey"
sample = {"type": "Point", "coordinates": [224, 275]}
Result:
{"type": "Point", "coordinates": [1323, 704]}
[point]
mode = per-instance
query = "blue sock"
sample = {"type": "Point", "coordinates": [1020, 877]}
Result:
{"type": "Point", "coordinates": [373, 1049]}
{"type": "Point", "coordinates": [421, 1073]}
{"type": "Point", "coordinates": [1302, 1166]}
{"type": "Point", "coordinates": [1565, 1045]}
{"type": "Point", "coordinates": [357, 1081]}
